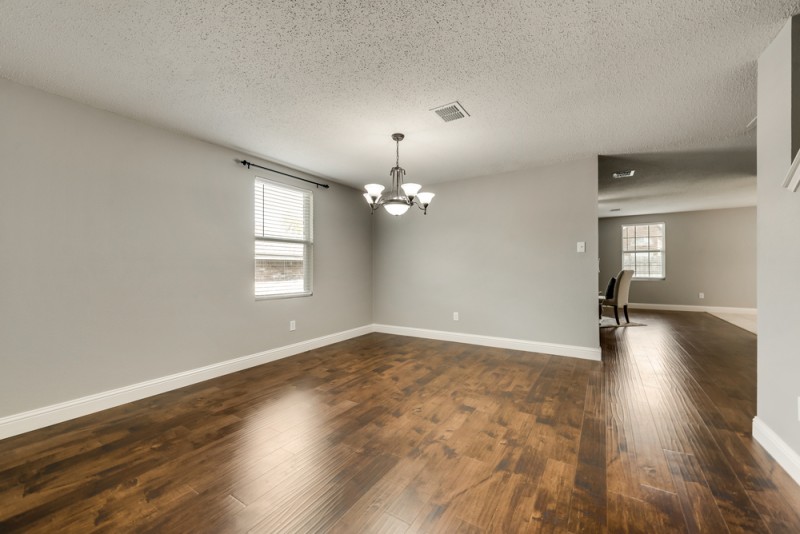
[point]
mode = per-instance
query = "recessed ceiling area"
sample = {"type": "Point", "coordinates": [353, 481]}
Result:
{"type": "Point", "coordinates": [320, 86]}
{"type": "Point", "coordinates": [714, 177]}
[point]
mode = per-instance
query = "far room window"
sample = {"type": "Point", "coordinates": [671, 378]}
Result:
{"type": "Point", "coordinates": [283, 240]}
{"type": "Point", "coordinates": [643, 250]}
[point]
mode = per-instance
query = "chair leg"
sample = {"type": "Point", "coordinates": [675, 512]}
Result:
{"type": "Point", "coordinates": [616, 314]}
{"type": "Point", "coordinates": [625, 309]}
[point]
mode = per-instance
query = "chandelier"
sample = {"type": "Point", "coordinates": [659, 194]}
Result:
{"type": "Point", "coordinates": [402, 195]}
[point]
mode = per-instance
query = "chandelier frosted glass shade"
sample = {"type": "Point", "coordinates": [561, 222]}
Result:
{"type": "Point", "coordinates": [402, 195]}
{"type": "Point", "coordinates": [411, 190]}
{"type": "Point", "coordinates": [425, 198]}
{"type": "Point", "coordinates": [396, 207]}
{"type": "Point", "coordinates": [374, 190]}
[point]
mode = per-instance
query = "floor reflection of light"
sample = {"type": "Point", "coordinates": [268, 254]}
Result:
{"type": "Point", "coordinates": [290, 466]}
{"type": "Point", "coordinates": [289, 420]}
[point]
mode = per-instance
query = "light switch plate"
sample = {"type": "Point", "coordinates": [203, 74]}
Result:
{"type": "Point", "coordinates": [581, 246]}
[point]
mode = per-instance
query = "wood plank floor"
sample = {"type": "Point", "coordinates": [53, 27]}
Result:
{"type": "Point", "coordinates": [395, 434]}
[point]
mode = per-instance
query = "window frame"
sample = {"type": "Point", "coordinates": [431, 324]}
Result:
{"type": "Point", "coordinates": [662, 250]}
{"type": "Point", "coordinates": [308, 243]}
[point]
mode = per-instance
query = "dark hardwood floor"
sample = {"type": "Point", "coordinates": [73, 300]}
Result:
{"type": "Point", "coordinates": [395, 434]}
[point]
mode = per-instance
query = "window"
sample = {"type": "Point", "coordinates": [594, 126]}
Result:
{"type": "Point", "coordinates": [643, 250]}
{"type": "Point", "coordinates": [283, 240]}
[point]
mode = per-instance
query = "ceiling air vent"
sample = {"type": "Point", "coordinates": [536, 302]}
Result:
{"type": "Point", "coordinates": [623, 174]}
{"type": "Point", "coordinates": [451, 112]}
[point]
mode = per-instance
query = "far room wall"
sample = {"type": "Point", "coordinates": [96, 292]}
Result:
{"type": "Point", "coordinates": [499, 250]}
{"type": "Point", "coordinates": [711, 251]}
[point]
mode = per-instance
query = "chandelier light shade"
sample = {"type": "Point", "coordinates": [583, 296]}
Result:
{"type": "Point", "coordinates": [402, 195]}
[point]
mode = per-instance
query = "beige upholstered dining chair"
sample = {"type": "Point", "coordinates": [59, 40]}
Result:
{"type": "Point", "coordinates": [622, 289]}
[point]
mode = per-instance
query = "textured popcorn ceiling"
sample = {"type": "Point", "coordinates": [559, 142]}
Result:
{"type": "Point", "coordinates": [321, 85]}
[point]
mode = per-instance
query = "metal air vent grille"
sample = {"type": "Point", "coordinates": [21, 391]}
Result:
{"type": "Point", "coordinates": [451, 112]}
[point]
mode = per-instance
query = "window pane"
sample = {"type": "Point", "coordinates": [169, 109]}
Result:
{"type": "Point", "coordinates": [641, 231]}
{"type": "Point", "coordinates": [656, 264]}
{"type": "Point", "coordinates": [627, 261]}
{"type": "Point", "coordinates": [281, 212]}
{"type": "Point", "coordinates": [656, 230]}
{"type": "Point", "coordinates": [280, 268]}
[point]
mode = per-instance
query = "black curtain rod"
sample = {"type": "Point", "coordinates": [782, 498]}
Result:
{"type": "Point", "coordinates": [249, 164]}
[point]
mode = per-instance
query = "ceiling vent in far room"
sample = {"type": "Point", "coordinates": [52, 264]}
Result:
{"type": "Point", "coordinates": [623, 174]}
{"type": "Point", "coordinates": [450, 112]}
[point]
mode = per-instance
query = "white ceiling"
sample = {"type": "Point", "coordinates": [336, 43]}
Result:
{"type": "Point", "coordinates": [321, 85]}
{"type": "Point", "coordinates": [714, 177]}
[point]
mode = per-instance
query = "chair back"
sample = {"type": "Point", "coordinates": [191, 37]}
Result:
{"type": "Point", "coordinates": [622, 288]}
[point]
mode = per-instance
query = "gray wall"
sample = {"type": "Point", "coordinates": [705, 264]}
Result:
{"type": "Point", "coordinates": [501, 251]}
{"type": "Point", "coordinates": [778, 246]}
{"type": "Point", "coordinates": [126, 254]}
{"type": "Point", "coordinates": [711, 251]}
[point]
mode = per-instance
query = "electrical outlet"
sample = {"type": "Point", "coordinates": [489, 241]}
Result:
{"type": "Point", "coordinates": [292, 326]}
{"type": "Point", "coordinates": [702, 295]}
{"type": "Point", "coordinates": [455, 316]}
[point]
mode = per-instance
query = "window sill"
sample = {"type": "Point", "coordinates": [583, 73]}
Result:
{"type": "Point", "coordinates": [288, 296]}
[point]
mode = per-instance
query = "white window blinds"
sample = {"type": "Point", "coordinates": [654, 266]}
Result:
{"type": "Point", "coordinates": [283, 240]}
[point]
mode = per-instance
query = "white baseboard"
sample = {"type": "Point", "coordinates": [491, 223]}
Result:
{"type": "Point", "coordinates": [13, 425]}
{"type": "Point", "coordinates": [575, 351]}
{"type": "Point", "coordinates": [783, 454]}
{"type": "Point", "coordinates": [64, 411]}
{"type": "Point", "coordinates": [688, 308]}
